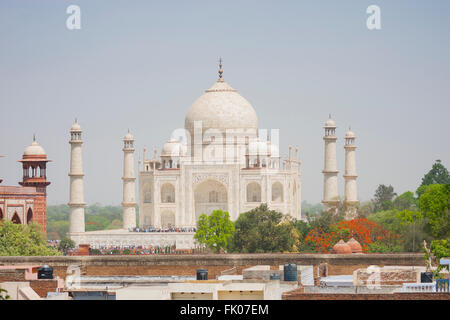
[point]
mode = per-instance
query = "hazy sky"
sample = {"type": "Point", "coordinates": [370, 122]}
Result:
{"type": "Point", "coordinates": [141, 64]}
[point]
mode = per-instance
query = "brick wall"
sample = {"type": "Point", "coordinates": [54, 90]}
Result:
{"type": "Point", "coordinates": [392, 277]}
{"type": "Point", "coordinates": [9, 275]}
{"type": "Point", "coordinates": [299, 295]}
{"type": "Point", "coordinates": [40, 211]}
{"type": "Point", "coordinates": [23, 194]}
{"type": "Point", "coordinates": [42, 286]}
{"type": "Point", "coordinates": [215, 263]}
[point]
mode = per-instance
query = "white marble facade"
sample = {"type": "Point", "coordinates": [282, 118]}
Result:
{"type": "Point", "coordinates": [220, 160]}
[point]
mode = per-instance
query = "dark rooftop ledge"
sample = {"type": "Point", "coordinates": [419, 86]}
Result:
{"type": "Point", "coordinates": [393, 259]}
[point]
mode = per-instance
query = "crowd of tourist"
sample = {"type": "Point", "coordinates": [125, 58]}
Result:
{"type": "Point", "coordinates": [141, 250]}
{"type": "Point", "coordinates": [167, 229]}
{"type": "Point", "coordinates": [53, 243]}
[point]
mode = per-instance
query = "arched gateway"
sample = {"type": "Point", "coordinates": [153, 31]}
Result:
{"type": "Point", "coordinates": [210, 195]}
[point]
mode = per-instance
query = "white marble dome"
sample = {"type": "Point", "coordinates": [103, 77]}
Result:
{"type": "Point", "coordinates": [172, 148]}
{"type": "Point", "coordinates": [128, 136]}
{"type": "Point", "coordinates": [330, 123]}
{"type": "Point", "coordinates": [221, 107]}
{"type": "Point", "coordinates": [350, 134]}
{"type": "Point", "coordinates": [75, 127]}
{"type": "Point", "coordinates": [34, 149]}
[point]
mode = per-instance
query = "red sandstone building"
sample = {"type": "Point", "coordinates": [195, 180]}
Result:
{"type": "Point", "coordinates": [28, 202]}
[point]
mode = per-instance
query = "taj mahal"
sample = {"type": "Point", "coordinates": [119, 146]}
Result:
{"type": "Point", "coordinates": [221, 160]}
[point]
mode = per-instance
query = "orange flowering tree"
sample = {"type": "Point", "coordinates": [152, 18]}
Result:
{"type": "Point", "coordinates": [363, 230]}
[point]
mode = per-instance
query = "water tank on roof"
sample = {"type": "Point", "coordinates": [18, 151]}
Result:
{"type": "Point", "coordinates": [290, 272]}
{"type": "Point", "coordinates": [275, 276]}
{"type": "Point", "coordinates": [202, 274]}
{"type": "Point", "coordinates": [45, 272]}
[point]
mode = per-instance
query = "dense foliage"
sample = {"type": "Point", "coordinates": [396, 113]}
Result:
{"type": "Point", "coordinates": [363, 230]}
{"type": "Point", "coordinates": [437, 175]}
{"type": "Point", "coordinates": [383, 197]}
{"type": "Point", "coordinates": [23, 240]}
{"type": "Point", "coordinates": [264, 230]}
{"type": "Point", "coordinates": [66, 245]}
{"type": "Point", "coordinates": [215, 230]}
{"type": "Point", "coordinates": [400, 223]}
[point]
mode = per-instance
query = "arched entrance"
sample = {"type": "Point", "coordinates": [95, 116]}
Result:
{"type": "Point", "coordinates": [253, 192]}
{"type": "Point", "coordinates": [210, 195]}
{"type": "Point", "coordinates": [167, 193]}
{"type": "Point", "coordinates": [29, 215]}
{"type": "Point", "coordinates": [15, 219]}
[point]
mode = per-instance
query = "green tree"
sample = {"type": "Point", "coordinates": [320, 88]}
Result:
{"type": "Point", "coordinates": [96, 222]}
{"type": "Point", "coordinates": [440, 249]}
{"type": "Point", "coordinates": [409, 225]}
{"type": "Point", "coordinates": [434, 203]}
{"type": "Point", "coordinates": [264, 230]}
{"type": "Point", "coordinates": [214, 231]}
{"type": "Point", "coordinates": [437, 175]}
{"type": "Point", "coordinates": [325, 220]}
{"type": "Point", "coordinates": [365, 209]}
{"type": "Point", "coordinates": [115, 224]}
{"type": "Point", "coordinates": [406, 201]}
{"type": "Point", "coordinates": [65, 245]}
{"type": "Point", "coordinates": [23, 240]}
{"type": "Point", "coordinates": [97, 218]}
{"type": "Point", "coordinates": [57, 229]}
{"type": "Point", "coordinates": [383, 197]}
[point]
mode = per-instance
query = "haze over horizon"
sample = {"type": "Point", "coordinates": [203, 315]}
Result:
{"type": "Point", "coordinates": [140, 66]}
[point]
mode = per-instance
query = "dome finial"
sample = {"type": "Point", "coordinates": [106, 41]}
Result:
{"type": "Point", "coordinates": [34, 137]}
{"type": "Point", "coordinates": [220, 69]}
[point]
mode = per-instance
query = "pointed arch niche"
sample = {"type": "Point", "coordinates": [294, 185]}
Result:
{"type": "Point", "coordinates": [15, 219]}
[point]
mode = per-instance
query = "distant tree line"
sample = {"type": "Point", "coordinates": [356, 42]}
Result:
{"type": "Point", "coordinates": [97, 218]}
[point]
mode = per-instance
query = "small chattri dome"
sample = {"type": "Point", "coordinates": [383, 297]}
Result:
{"type": "Point", "coordinates": [172, 148]}
{"type": "Point", "coordinates": [128, 136]}
{"type": "Point", "coordinates": [330, 122]}
{"type": "Point", "coordinates": [34, 149]}
{"type": "Point", "coordinates": [75, 126]}
{"type": "Point", "coordinates": [349, 134]}
{"type": "Point", "coordinates": [341, 248]}
{"type": "Point", "coordinates": [354, 245]}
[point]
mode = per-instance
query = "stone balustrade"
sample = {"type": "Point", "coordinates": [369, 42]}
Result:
{"type": "Point", "coordinates": [419, 287]}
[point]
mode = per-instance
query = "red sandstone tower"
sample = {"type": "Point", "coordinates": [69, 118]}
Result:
{"type": "Point", "coordinates": [34, 164]}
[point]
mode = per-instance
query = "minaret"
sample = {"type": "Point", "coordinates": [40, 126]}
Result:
{"type": "Point", "coordinates": [129, 194]}
{"type": "Point", "coordinates": [76, 203]}
{"type": "Point", "coordinates": [330, 181]}
{"type": "Point", "coordinates": [351, 194]}
{"type": "Point", "coordinates": [34, 165]}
